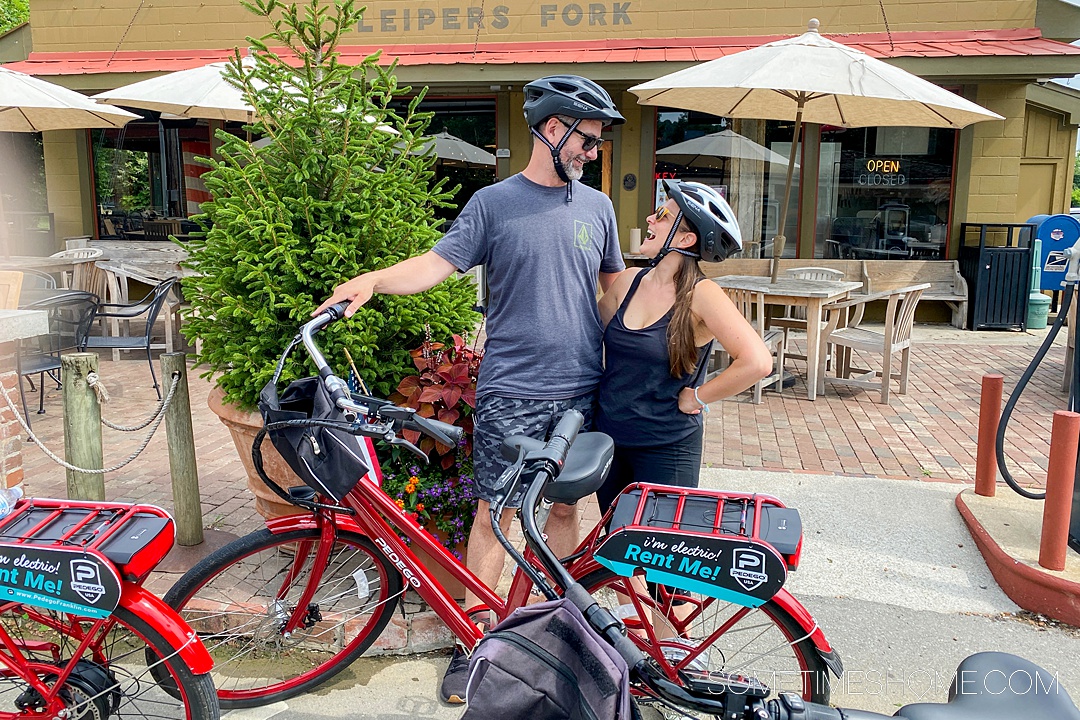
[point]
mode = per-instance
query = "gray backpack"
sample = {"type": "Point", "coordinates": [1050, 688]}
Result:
{"type": "Point", "coordinates": [545, 662]}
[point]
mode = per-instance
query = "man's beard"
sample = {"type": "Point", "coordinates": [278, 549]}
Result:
{"type": "Point", "coordinates": [573, 172]}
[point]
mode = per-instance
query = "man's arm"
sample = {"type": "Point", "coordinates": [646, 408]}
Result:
{"type": "Point", "coordinates": [408, 277]}
{"type": "Point", "coordinates": [606, 279]}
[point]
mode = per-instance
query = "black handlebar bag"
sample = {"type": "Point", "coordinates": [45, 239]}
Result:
{"type": "Point", "coordinates": [328, 459]}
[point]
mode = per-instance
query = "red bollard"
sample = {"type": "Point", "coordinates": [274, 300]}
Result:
{"type": "Point", "coordinates": [989, 414]}
{"type": "Point", "coordinates": [1064, 439]}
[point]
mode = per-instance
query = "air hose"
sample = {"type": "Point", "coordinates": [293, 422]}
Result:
{"type": "Point", "coordinates": [999, 445]}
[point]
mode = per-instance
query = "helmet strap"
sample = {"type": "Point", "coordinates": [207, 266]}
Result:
{"type": "Point", "coordinates": [667, 244]}
{"type": "Point", "coordinates": [556, 158]}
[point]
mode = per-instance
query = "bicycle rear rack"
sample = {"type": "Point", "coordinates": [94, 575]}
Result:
{"type": "Point", "coordinates": [133, 537]}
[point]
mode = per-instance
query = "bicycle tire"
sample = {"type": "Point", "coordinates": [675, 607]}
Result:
{"type": "Point", "coordinates": [253, 663]}
{"type": "Point", "coordinates": [116, 677]}
{"type": "Point", "coordinates": [766, 642]}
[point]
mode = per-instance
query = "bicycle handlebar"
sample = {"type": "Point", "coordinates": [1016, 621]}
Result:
{"type": "Point", "coordinates": [338, 389]}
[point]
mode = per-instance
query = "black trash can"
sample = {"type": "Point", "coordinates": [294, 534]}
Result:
{"type": "Point", "coordinates": [995, 259]}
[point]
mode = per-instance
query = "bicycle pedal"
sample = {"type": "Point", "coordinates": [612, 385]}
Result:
{"type": "Point", "coordinates": [719, 683]}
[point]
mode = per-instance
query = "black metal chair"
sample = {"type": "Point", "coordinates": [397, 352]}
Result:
{"type": "Point", "coordinates": [70, 316]}
{"type": "Point", "coordinates": [148, 309]}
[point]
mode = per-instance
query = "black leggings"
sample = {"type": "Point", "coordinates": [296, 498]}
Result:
{"type": "Point", "coordinates": [677, 463]}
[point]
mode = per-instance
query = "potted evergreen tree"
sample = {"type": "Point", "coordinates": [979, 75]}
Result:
{"type": "Point", "coordinates": [341, 187]}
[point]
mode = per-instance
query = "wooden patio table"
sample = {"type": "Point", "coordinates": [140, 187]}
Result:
{"type": "Point", "coordinates": [810, 294]}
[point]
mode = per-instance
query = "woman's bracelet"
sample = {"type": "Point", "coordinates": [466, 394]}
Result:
{"type": "Point", "coordinates": [704, 407]}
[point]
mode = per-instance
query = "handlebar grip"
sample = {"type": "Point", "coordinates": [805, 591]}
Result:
{"type": "Point", "coordinates": [567, 431]}
{"type": "Point", "coordinates": [337, 310]}
{"type": "Point", "coordinates": [445, 433]}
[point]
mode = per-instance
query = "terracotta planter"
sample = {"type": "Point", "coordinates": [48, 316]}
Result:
{"type": "Point", "coordinates": [452, 585]}
{"type": "Point", "coordinates": [243, 426]}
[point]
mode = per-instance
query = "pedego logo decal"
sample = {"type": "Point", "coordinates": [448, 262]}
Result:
{"type": "Point", "coordinates": [86, 580]}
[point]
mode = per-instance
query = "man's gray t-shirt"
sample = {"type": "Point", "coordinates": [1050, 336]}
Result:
{"type": "Point", "coordinates": [543, 255]}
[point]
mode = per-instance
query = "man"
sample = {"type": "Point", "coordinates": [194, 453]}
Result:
{"type": "Point", "coordinates": [546, 240]}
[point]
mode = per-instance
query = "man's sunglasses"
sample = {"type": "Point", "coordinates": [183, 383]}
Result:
{"type": "Point", "coordinates": [588, 142]}
{"type": "Point", "coordinates": [660, 213]}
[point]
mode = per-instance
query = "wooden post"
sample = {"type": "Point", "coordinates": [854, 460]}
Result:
{"type": "Point", "coordinates": [993, 385]}
{"type": "Point", "coordinates": [187, 507]}
{"type": "Point", "coordinates": [82, 427]}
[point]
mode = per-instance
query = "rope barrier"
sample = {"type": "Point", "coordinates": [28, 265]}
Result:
{"type": "Point", "coordinates": [95, 383]}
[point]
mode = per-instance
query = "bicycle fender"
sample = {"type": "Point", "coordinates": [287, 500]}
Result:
{"type": "Point", "coordinates": [171, 626]}
{"type": "Point", "coordinates": [809, 626]}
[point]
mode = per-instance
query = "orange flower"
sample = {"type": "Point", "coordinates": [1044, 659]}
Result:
{"type": "Point", "coordinates": [419, 507]}
{"type": "Point", "coordinates": [400, 504]}
{"type": "Point", "coordinates": [410, 488]}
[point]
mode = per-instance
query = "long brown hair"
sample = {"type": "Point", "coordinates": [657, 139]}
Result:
{"type": "Point", "coordinates": [682, 350]}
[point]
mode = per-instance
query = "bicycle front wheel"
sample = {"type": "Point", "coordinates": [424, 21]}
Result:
{"type": "Point", "coordinates": [239, 598]}
{"type": "Point", "coordinates": [127, 669]}
{"type": "Point", "coordinates": [704, 635]}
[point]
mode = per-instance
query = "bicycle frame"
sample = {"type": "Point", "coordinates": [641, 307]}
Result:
{"type": "Point", "coordinates": [376, 516]}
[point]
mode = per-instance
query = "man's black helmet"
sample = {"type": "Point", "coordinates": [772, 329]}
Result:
{"type": "Point", "coordinates": [704, 208]}
{"type": "Point", "coordinates": [569, 95]}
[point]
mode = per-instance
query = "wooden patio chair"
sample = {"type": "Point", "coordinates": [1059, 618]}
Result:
{"type": "Point", "coordinates": [10, 286]}
{"type": "Point", "coordinates": [794, 317]}
{"type": "Point", "coordinates": [849, 336]}
{"type": "Point", "coordinates": [67, 276]}
{"type": "Point", "coordinates": [752, 306]}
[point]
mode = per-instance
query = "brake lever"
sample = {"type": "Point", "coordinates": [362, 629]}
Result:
{"type": "Point", "coordinates": [396, 440]}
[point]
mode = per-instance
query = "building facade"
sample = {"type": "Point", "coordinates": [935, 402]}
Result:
{"type": "Point", "coordinates": [860, 192]}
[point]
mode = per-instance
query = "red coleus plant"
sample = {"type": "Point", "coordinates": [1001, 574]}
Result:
{"type": "Point", "coordinates": [444, 389]}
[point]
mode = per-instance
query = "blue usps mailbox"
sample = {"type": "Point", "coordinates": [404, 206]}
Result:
{"type": "Point", "coordinates": [1056, 232]}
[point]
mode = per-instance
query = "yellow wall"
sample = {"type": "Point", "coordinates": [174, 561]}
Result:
{"type": "Point", "coordinates": [995, 155]}
{"type": "Point", "coordinates": [60, 25]}
{"type": "Point", "coordinates": [67, 183]}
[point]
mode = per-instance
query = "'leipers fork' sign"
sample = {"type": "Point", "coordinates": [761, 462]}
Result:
{"type": "Point", "coordinates": [553, 16]}
{"type": "Point", "coordinates": [874, 171]}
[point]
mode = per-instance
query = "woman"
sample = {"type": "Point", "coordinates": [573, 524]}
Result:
{"type": "Point", "coordinates": [660, 323]}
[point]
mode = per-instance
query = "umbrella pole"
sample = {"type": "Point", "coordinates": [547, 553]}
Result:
{"type": "Point", "coordinates": [779, 239]}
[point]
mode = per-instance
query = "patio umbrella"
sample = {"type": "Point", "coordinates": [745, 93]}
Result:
{"type": "Point", "coordinates": [810, 78]}
{"type": "Point", "coordinates": [201, 92]}
{"type": "Point", "coordinates": [710, 151]}
{"type": "Point", "coordinates": [455, 151]}
{"type": "Point", "coordinates": [29, 104]}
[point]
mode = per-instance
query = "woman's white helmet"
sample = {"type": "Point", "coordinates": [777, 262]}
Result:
{"type": "Point", "coordinates": [704, 208]}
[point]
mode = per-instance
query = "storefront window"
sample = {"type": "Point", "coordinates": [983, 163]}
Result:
{"type": "Point", "coordinates": [133, 184]}
{"type": "Point", "coordinates": [471, 120]}
{"type": "Point", "coordinates": [884, 192]}
{"type": "Point", "coordinates": [745, 160]}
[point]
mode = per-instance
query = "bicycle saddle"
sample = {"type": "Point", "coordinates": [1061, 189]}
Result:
{"type": "Point", "coordinates": [998, 686]}
{"type": "Point", "coordinates": [586, 465]}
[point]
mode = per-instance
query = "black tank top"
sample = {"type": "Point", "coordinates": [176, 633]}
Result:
{"type": "Point", "coordinates": [639, 400]}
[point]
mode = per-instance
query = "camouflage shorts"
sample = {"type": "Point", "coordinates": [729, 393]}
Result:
{"type": "Point", "coordinates": [498, 417]}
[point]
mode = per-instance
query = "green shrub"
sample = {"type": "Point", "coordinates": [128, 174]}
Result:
{"type": "Point", "coordinates": [339, 190]}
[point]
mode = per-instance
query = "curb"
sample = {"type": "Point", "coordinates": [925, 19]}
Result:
{"type": "Point", "coordinates": [1031, 588]}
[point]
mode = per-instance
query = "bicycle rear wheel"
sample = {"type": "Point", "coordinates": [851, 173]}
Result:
{"type": "Point", "coordinates": [239, 598]}
{"type": "Point", "coordinates": [706, 635]}
{"type": "Point", "coordinates": [115, 677]}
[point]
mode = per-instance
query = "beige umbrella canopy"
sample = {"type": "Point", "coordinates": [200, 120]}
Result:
{"type": "Point", "coordinates": [813, 79]}
{"type": "Point", "coordinates": [453, 150]}
{"type": "Point", "coordinates": [713, 149]}
{"type": "Point", "coordinates": [201, 92]}
{"type": "Point", "coordinates": [29, 104]}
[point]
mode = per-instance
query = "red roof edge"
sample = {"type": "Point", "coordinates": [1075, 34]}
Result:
{"type": "Point", "coordinates": [1015, 41]}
